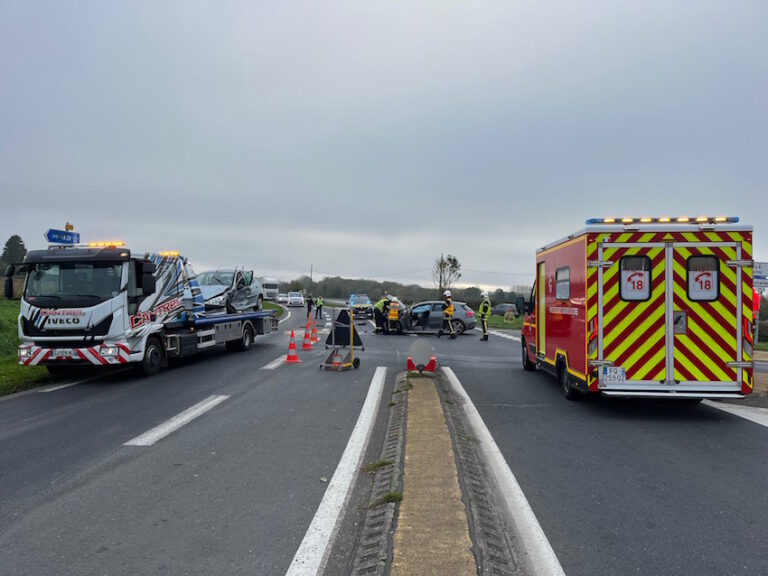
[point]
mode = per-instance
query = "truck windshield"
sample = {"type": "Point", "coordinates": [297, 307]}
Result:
{"type": "Point", "coordinates": [73, 283]}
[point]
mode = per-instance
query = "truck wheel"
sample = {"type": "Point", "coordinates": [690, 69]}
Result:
{"type": "Point", "coordinates": [458, 327]}
{"type": "Point", "coordinates": [245, 341]}
{"type": "Point", "coordinates": [527, 364]}
{"type": "Point", "coordinates": [568, 391]}
{"type": "Point", "coordinates": [153, 357]}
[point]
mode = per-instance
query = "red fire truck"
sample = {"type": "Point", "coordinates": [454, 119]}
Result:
{"type": "Point", "coordinates": [653, 307]}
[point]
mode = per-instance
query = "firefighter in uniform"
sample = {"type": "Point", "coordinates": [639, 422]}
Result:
{"type": "Point", "coordinates": [447, 315]}
{"type": "Point", "coordinates": [393, 316]}
{"type": "Point", "coordinates": [484, 313]}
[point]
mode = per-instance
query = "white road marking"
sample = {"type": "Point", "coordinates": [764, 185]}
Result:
{"type": "Point", "coordinates": [312, 555]}
{"type": "Point", "coordinates": [753, 413]}
{"type": "Point", "coordinates": [62, 386]}
{"type": "Point", "coordinates": [161, 431]}
{"type": "Point", "coordinates": [539, 553]}
{"type": "Point", "coordinates": [501, 334]}
{"type": "Point", "coordinates": [372, 323]}
{"type": "Point", "coordinates": [286, 318]}
{"type": "Point", "coordinates": [276, 363]}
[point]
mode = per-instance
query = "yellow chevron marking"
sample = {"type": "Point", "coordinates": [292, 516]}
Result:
{"type": "Point", "coordinates": [720, 352]}
{"type": "Point", "coordinates": [650, 307]}
{"type": "Point", "coordinates": [703, 356]}
{"type": "Point", "coordinates": [643, 374]}
{"type": "Point", "coordinates": [649, 339]}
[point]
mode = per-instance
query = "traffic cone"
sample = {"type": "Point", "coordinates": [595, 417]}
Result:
{"type": "Point", "coordinates": [293, 357]}
{"type": "Point", "coordinates": [431, 365]}
{"type": "Point", "coordinates": [410, 366]}
{"type": "Point", "coordinates": [307, 345]}
{"type": "Point", "coordinates": [314, 337]}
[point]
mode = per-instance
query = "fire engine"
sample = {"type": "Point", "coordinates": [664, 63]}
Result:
{"type": "Point", "coordinates": [650, 307]}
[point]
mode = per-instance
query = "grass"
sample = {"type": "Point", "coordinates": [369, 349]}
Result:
{"type": "Point", "coordinates": [373, 466]}
{"type": "Point", "coordinates": [272, 306]}
{"type": "Point", "coordinates": [763, 346]}
{"type": "Point", "coordinates": [15, 378]}
{"type": "Point", "coordinates": [393, 497]}
{"type": "Point", "coordinates": [498, 322]}
{"type": "Point", "coordinates": [404, 388]}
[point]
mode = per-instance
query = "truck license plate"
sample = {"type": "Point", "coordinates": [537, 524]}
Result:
{"type": "Point", "coordinates": [64, 353]}
{"type": "Point", "coordinates": [612, 375]}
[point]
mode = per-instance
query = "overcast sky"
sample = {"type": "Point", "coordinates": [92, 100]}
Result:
{"type": "Point", "coordinates": [366, 137]}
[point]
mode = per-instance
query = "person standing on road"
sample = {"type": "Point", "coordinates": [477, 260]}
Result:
{"type": "Point", "coordinates": [484, 313]}
{"type": "Point", "coordinates": [378, 313]}
{"type": "Point", "coordinates": [447, 315]}
{"type": "Point", "coordinates": [310, 303]}
{"type": "Point", "coordinates": [319, 307]}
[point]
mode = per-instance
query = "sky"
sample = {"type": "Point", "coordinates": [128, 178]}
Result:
{"type": "Point", "coordinates": [364, 138]}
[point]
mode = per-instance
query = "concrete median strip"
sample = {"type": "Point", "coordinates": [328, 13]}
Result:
{"type": "Point", "coordinates": [432, 535]}
{"type": "Point", "coordinates": [185, 417]}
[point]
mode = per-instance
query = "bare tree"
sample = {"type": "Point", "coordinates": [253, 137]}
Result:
{"type": "Point", "coordinates": [446, 271]}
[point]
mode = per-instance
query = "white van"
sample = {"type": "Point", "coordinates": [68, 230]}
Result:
{"type": "Point", "coordinates": [271, 287]}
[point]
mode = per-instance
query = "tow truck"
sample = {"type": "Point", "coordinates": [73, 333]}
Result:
{"type": "Point", "coordinates": [100, 304]}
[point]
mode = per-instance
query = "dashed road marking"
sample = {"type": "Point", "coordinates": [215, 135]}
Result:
{"type": "Point", "coordinates": [276, 363]}
{"type": "Point", "coordinates": [67, 385]}
{"type": "Point", "coordinates": [501, 334]}
{"type": "Point", "coordinates": [539, 553]}
{"type": "Point", "coordinates": [312, 555]}
{"type": "Point", "coordinates": [162, 430]}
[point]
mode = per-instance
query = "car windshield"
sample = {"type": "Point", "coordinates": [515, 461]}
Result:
{"type": "Point", "coordinates": [215, 278]}
{"type": "Point", "coordinates": [75, 282]}
{"type": "Point", "coordinates": [270, 286]}
{"type": "Point", "coordinates": [359, 299]}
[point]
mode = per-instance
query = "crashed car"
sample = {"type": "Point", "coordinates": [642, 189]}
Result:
{"type": "Point", "coordinates": [231, 290]}
{"type": "Point", "coordinates": [428, 317]}
{"type": "Point", "coordinates": [362, 305]}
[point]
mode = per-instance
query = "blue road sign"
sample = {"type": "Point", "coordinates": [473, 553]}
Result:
{"type": "Point", "coordinates": [62, 237]}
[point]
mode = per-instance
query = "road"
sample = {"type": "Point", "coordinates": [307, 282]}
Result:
{"type": "Point", "coordinates": [618, 487]}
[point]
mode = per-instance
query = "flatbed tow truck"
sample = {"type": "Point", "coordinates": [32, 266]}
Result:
{"type": "Point", "coordinates": [98, 304]}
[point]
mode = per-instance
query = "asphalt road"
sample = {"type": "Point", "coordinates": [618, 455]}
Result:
{"type": "Point", "coordinates": [618, 487]}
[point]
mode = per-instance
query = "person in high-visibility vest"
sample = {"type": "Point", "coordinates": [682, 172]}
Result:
{"type": "Point", "coordinates": [447, 315]}
{"type": "Point", "coordinates": [319, 307]}
{"type": "Point", "coordinates": [378, 312]}
{"type": "Point", "coordinates": [484, 313]}
{"type": "Point", "coordinates": [393, 316]}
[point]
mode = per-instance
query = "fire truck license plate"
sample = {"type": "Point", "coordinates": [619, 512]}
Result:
{"type": "Point", "coordinates": [613, 375]}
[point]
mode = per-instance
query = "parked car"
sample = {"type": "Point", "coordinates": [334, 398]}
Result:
{"type": "Point", "coordinates": [230, 290]}
{"type": "Point", "coordinates": [282, 298]}
{"type": "Point", "coordinates": [428, 316]}
{"type": "Point", "coordinates": [502, 309]}
{"type": "Point", "coordinates": [296, 299]}
{"type": "Point", "coordinates": [362, 305]}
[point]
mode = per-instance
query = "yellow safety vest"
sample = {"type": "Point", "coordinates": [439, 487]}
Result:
{"type": "Point", "coordinates": [449, 310]}
{"type": "Point", "coordinates": [393, 312]}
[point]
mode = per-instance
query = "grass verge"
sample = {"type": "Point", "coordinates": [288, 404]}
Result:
{"type": "Point", "coordinates": [499, 322]}
{"type": "Point", "coordinates": [763, 346]}
{"type": "Point", "coordinates": [272, 306]}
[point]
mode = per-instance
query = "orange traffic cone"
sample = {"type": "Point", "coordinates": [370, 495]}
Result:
{"type": "Point", "coordinates": [307, 345]}
{"type": "Point", "coordinates": [293, 357]}
{"type": "Point", "coordinates": [314, 337]}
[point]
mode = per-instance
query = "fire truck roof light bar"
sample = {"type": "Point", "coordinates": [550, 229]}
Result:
{"type": "Point", "coordinates": [107, 244]}
{"type": "Point", "coordinates": [665, 220]}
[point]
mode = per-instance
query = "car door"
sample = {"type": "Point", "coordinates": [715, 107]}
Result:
{"type": "Point", "coordinates": [419, 316]}
{"type": "Point", "coordinates": [240, 291]}
{"type": "Point", "coordinates": [436, 316]}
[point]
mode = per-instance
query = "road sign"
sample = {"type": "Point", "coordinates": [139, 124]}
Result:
{"type": "Point", "coordinates": [760, 275]}
{"type": "Point", "coordinates": [62, 237]}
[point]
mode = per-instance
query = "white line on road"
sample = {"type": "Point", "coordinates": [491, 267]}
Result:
{"type": "Point", "coordinates": [276, 363]}
{"type": "Point", "coordinates": [161, 431]}
{"type": "Point", "coordinates": [286, 318]}
{"type": "Point", "coordinates": [538, 551]}
{"type": "Point", "coordinates": [501, 334]}
{"type": "Point", "coordinates": [753, 413]}
{"type": "Point", "coordinates": [62, 386]}
{"type": "Point", "coordinates": [312, 555]}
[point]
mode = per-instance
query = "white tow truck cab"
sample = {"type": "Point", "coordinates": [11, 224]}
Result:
{"type": "Point", "coordinates": [99, 304]}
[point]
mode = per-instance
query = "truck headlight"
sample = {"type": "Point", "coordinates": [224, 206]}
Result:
{"type": "Point", "coordinates": [108, 351]}
{"type": "Point", "coordinates": [23, 352]}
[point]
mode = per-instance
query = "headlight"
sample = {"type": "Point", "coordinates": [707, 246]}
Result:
{"type": "Point", "coordinates": [217, 300]}
{"type": "Point", "coordinates": [108, 351]}
{"type": "Point", "coordinates": [23, 352]}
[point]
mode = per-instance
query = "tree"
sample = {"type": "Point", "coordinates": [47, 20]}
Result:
{"type": "Point", "coordinates": [14, 250]}
{"type": "Point", "coordinates": [446, 271]}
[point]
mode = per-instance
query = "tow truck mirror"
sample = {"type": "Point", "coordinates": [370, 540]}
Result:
{"type": "Point", "coordinates": [148, 283]}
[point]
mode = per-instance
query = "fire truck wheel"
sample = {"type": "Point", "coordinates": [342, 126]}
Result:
{"type": "Point", "coordinates": [153, 357]}
{"type": "Point", "coordinates": [527, 364]}
{"type": "Point", "coordinates": [569, 391]}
